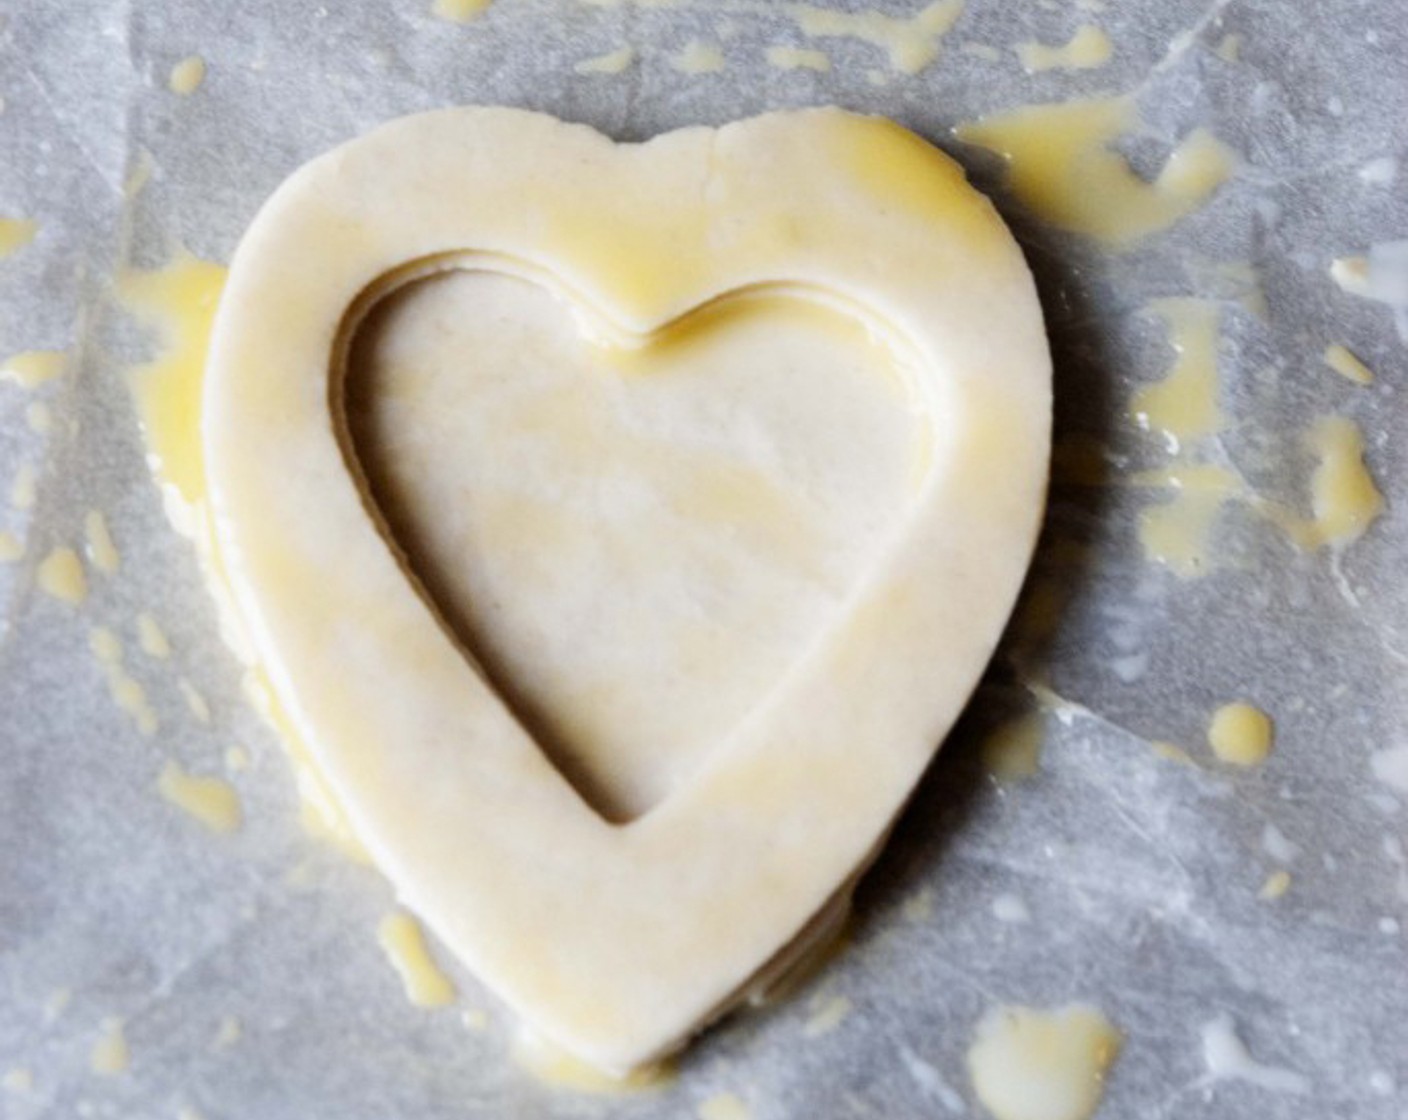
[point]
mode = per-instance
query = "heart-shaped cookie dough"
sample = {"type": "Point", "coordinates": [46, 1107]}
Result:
{"type": "Point", "coordinates": [617, 935]}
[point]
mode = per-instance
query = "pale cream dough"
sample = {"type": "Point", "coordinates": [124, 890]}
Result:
{"type": "Point", "coordinates": [693, 519]}
{"type": "Point", "coordinates": [722, 457]}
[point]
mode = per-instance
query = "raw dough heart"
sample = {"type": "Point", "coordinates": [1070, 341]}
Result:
{"type": "Point", "coordinates": [617, 935]}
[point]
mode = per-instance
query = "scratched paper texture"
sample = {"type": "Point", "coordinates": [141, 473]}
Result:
{"type": "Point", "coordinates": [1116, 875]}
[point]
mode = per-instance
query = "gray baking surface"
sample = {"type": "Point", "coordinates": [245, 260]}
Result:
{"type": "Point", "coordinates": [1140, 874]}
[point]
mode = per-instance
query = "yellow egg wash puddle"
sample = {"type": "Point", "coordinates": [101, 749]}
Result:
{"type": "Point", "coordinates": [1343, 496]}
{"type": "Point", "coordinates": [178, 303]}
{"type": "Point", "coordinates": [1178, 532]}
{"type": "Point", "coordinates": [1028, 1064]}
{"type": "Point", "coordinates": [460, 11]}
{"type": "Point", "coordinates": [557, 1069]}
{"type": "Point", "coordinates": [698, 58]}
{"type": "Point", "coordinates": [11, 547]}
{"type": "Point", "coordinates": [723, 1106]}
{"type": "Point", "coordinates": [612, 62]}
{"type": "Point", "coordinates": [15, 234]}
{"type": "Point", "coordinates": [911, 42]}
{"type": "Point", "coordinates": [403, 941]}
{"type": "Point", "coordinates": [1012, 750]}
{"type": "Point", "coordinates": [1241, 734]}
{"type": "Point", "coordinates": [1062, 167]}
{"type": "Point", "coordinates": [1347, 365]}
{"type": "Point", "coordinates": [798, 58]}
{"type": "Point", "coordinates": [127, 693]}
{"type": "Point", "coordinates": [211, 801]}
{"type": "Point", "coordinates": [60, 575]}
{"type": "Point", "coordinates": [110, 1055]}
{"type": "Point", "coordinates": [32, 368]}
{"type": "Point", "coordinates": [1088, 49]}
{"type": "Point", "coordinates": [187, 76]}
{"type": "Point", "coordinates": [98, 543]}
{"type": "Point", "coordinates": [1184, 407]}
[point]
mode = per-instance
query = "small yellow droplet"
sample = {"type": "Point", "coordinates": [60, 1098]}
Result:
{"type": "Point", "coordinates": [613, 62]}
{"type": "Point", "coordinates": [827, 1013]}
{"type": "Point", "coordinates": [1277, 884]}
{"type": "Point", "coordinates": [102, 552]}
{"type": "Point", "coordinates": [152, 638]}
{"type": "Point", "coordinates": [1344, 363]}
{"type": "Point", "coordinates": [403, 941]}
{"type": "Point", "coordinates": [1342, 491]}
{"type": "Point", "coordinates": [1240, 734]}
{"type": "Point", "coordinates": [212, 801]}
{"type": "Point", "coordinates": [1029, 1064]}
{"type": "Point", "coordinates": [198, 705]}
{"type": "Point", "coordinates": [60, 574]}
{"type": "Point", "coordinates": [15, 233]}
{"type": "Point", "coordinates": [698, 58]}
{"type": "Point", "coordinates": [110, 1053]}
{"type": "Point", "coordinates": [33, 367]}
{"type": "Point", "coordinates": [796, 58]}
{"type": "Point", "coordinates": [22, 489]}
{"type": "Point", "coordinates": [187, 75]}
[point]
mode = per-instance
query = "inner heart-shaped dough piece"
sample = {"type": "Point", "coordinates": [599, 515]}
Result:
{"type": "Point", "coordinates": [621, 528]}
{"type": "Point", "coordinates": [636, 545]}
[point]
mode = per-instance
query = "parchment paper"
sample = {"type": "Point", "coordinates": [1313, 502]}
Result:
{"type": "Point", "coordinates": [1140, 874]}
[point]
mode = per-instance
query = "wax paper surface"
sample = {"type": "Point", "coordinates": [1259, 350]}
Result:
{"type": "Point", "coordinates": [1135, 877]}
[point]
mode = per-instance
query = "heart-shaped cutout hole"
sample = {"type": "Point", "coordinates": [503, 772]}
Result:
{"type": "Point", "coordinates": [633, 544]}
